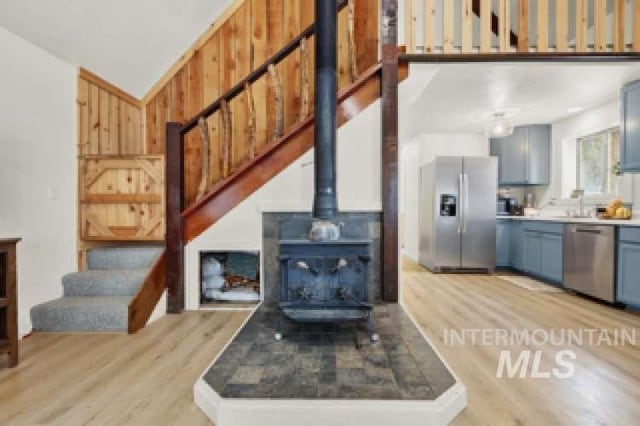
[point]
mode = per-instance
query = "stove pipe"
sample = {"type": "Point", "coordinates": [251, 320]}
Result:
{"type": "Point", "coordinates": [325, 205]}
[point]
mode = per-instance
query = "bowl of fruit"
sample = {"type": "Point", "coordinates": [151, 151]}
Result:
{"type": "Point", "coordinates": [618, 210]}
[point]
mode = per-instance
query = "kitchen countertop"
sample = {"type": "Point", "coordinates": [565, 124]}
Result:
{"type": "Point", "coordinates": [591, 221]}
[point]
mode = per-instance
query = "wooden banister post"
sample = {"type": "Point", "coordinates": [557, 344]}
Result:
{"type": "Point", "coordinates": [389, 123]}
{"type": "Point", "coordinates": [174, 182]}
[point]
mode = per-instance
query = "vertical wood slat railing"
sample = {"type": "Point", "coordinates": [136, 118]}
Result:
{"type": "Point", "coordinates": [524, 26]}
{"type": "Point", "coordinates": [176, 133]}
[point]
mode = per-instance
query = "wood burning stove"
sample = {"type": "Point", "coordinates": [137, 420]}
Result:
{"type": "Point", "coordinates": [325, 278]}
{"type": "Point", "coordinates": [325, 281]}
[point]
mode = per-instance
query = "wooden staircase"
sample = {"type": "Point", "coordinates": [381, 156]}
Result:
{"type": "Point", "coordinates": [228, 193]}
{"type": "Point", "coordinates": [236, 178]}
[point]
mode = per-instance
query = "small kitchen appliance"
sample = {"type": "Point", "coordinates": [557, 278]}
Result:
{"type": "Point", "coordinates": [507, 206]}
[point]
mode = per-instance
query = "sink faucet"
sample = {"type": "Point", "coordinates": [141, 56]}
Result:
{"type": "Point", "coordinates": [581, 206]}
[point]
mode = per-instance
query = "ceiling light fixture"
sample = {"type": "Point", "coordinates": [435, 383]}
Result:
{"type": "Point", "coordinates": [500, 127]}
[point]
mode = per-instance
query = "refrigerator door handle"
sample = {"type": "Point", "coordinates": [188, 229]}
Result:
{"type": "Point", "coordinates": [465, 180]}
{"type": "Point", "coordinates": [460, 196]}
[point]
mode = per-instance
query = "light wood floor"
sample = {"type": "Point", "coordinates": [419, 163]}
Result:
{"type": "Point", "coordinates": [605, 389]}
{"type": "Point", "coordinates": [148, 378]}
{"type": "Point", "coordinates": [111, 379]}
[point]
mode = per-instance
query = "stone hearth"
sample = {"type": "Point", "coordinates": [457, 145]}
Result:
{"type": "Point", "coordinates": [316, 372]}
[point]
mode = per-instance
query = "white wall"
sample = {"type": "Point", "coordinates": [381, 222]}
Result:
{"type": "Point", "coordinates": [416, 152]}
{"type": "Point", "coordinates": [37, 168]}
{"type": "Point", "coordinates": [129, 43]}
{"type": "Point", "coordinates": [564, 134]}
{"type": "Point", "coordinates": [359, 180]}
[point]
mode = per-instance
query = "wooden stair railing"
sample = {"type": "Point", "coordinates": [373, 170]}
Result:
{"type": "Point", "coordinates": [228, 193]}
{"type": "Point", "coordinates": [189, 224]}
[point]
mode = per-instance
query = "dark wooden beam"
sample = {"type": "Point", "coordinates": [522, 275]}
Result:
{"type": "Point", "coordinates": [521, 57]}
{"type": "Point", "coordinates": [495, 23]}
{"type": "Point", "coordinates": [174, 183]}
{"type": "Point", "coordinates": [389, 123]}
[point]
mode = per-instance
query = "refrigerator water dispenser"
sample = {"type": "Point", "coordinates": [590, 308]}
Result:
{"type": "Point", "coordinates": [448, 205]}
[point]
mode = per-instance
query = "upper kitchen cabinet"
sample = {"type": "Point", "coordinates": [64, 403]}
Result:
{"type": "Point", "coordinates": [525, 156]}
{"type": "Point", "coordinates": [630, 128]}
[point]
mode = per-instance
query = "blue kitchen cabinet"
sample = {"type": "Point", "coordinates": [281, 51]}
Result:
{"type": "Point", "coordinates": [516, 237]}
{"type": "Point", "coordinates": [511, 152]}
{"type": "Point", "coordinates": [629, 266]}
{"type": "Point", "coordinates": [551, 257]}
{"type": "Point", "coordinates": [532, 252]}
{"type": "Point", "coordinates": [503, 242]}
{"type": "Point", "coordinates": [524, 157]}
{"type": "Point", "coordinates": [543, 250]}
{"type": "Point", "coordinates": [630, 128]}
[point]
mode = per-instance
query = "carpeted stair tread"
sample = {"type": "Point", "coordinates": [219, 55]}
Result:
{"type": "Point", "coordinates": [123, 257]}
{"type": "Point", "coordinates": [104, 282]}
{"type": "Point", "coordinates": [98, 299]}
{"type": "Point", "coordinates": [82, 313]}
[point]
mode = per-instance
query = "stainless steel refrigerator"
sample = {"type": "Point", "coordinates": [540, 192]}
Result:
{"type": "Point", "coordinates": [457, 214]}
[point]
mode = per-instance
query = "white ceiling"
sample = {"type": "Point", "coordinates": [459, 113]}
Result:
{"type": "Point", "coordinates": [131, 43]}
{"type": "Point", "coordinates": [459, 97]}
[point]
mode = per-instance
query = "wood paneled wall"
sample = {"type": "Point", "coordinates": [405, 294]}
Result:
{"type": "Point", "coordinates": [110, 121]}
{"type": "Point", "coordinates": [253, 31]}
{"type": "Point", "coordinates": [120, 187]}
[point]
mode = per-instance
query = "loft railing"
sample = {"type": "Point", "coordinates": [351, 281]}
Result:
{"type": "Point", "coordinates": [534, 26]}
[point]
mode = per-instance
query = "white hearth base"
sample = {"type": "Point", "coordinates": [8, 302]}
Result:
{"type": "Point", "coordinates": [323, 412]}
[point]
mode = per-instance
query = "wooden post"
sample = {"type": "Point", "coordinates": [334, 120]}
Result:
{"type": "Point", "coordinates": [485, 26]}
{"type": "Point", "coordinates": [467, 26]}
{"type": "Point", "coordinates": [389, 123]}
{"type": "Point", "coordinates": [352, 41]}
{"type": "Point", "coordinates": [278, 128]}
{"type": "Point", "coordinates": [582, 18]}
{"type": "Point", "coordinates": [251, 122]}
{"type": "Point", "coordinates": [225, 146]}
{"type": "Point", "coordinates": [619, 23]}
{"type": "Point", "coordinates": [206, 144]}
{"type": "Point", "coordinates": [304, 80]}
{"type": "Point", "coordinates": [174, 183]}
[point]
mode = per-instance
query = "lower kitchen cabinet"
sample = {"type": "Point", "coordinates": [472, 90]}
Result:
{"type": "Point", "coordinates": [503, 244]}
{"type": "Point", "coordinates": [516, 237]}
{"type": "Point", "coordinates": [629, 271]}
{"type": "Point", "coordinates": [541, 251]}
{"type": "Point", "coordinates": [532, 250]}
{"type": "Point", "coordinates": [551, 250]}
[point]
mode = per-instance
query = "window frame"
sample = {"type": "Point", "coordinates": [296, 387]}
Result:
{"type": "Point", "coordinates": [608, 132]}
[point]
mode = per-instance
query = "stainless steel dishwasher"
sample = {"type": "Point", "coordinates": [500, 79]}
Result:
{"type": "Point", "coordinates": [589, 260]}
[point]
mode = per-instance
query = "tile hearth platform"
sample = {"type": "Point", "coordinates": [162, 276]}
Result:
{"type": "Point", "coordinates": [316, 374]}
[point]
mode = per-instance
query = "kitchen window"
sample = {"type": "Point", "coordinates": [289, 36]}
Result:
{"type": "Point", "coordinates": [598, 162]}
